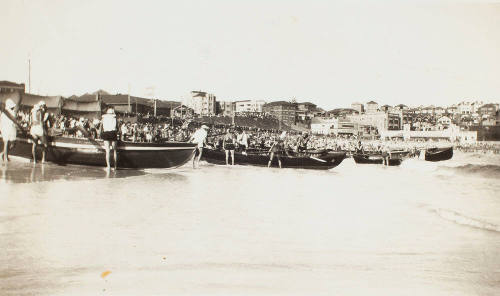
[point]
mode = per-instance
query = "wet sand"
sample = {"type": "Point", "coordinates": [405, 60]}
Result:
{"type": "Point", "coordinates": [418, 229]}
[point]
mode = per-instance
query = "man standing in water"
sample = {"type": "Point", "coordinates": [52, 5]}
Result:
{"type": "Point", "coordinates": [228, 145]}
{"type": "Point", "coordinates": [109, 133]}
{"type": "Point", "coordinates": [386, 154]}
{"type": "Point", "coordinates": [277, 149]}
{"type": "Point", "coordinates": [243, 142]}
{"type": "Point", "coordinates": [38, 132]}
{"type": "Point", "coordinates": [8, 128]}
{"type": "Point", "coordinates": [199, 137]}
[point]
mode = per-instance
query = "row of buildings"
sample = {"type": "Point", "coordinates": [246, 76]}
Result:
{"type": "Point", "coordinates": [365, 120]}
{"type": "Point", "coordinates": [458, 122]}
{"type": "Point", "coordinates": [289, 113]}
{"type": "Point", "coordinates": [87, 105]}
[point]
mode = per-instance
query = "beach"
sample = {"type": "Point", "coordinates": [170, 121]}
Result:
{"type": "Point", "coordinates": [419, 229]}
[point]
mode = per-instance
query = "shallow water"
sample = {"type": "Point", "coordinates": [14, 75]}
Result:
{"type": "Point", "coordinates": [419, 229]}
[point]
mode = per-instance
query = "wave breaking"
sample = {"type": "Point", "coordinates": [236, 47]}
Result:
{"type": "Point", "coordinates": [487, 171]}
{"type": "Point", "coordinates": [460, 219]}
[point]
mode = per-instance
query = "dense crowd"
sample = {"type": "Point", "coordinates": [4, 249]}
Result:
{"type": "Point", "coordinates": [480, 147]}
{"type": "Point", "coordinates": [244, 136]}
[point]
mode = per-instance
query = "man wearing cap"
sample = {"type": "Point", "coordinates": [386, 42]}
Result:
{"type": "Point", "coordinates": [8, 128]}
{"type": "Point", "coordinates": [38, 119]}
{"type": "Point", "coordinates": [109, 134]}
{"type": "Point", "coordinates": [199, 137]}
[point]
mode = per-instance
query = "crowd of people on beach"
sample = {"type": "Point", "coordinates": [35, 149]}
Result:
{"type": "Point", "coordinates": [39, 124]}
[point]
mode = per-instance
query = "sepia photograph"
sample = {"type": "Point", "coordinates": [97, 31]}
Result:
{"type": "Point", "coordinates": [279, 147]}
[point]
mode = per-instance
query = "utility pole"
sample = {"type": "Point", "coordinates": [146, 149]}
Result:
{"type": "Point", "coordinates": [154, 101]}
{"type": "Point", "coordinates": [233, 110]}
{"type": "Point", "coordinates": [172, 113]}
{"type": "Point", "coordinates": [29, 75]}
{"type": "Point", "coordinates": [129, 110]}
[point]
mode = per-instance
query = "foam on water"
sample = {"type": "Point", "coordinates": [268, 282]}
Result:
{"type": "Point", "coordinates": [466, 221]}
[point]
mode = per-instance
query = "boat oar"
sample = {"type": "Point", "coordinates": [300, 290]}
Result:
{"type": "Point", "coordinates": [89, 137]}
{"type": "Point", "coordinates": [317, 159]}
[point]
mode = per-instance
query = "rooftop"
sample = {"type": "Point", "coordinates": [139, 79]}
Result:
{"type": "Point", "coordinates": [10, 84]}
{"type": "Point", "coordinates": [278, 103]}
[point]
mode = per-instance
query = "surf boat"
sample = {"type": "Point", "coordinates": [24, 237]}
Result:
{"type": "Point", "coordinates": [375, 159]}
{"type": "Point", "coordinates": [321, 160]}
{"type": "Point", "coordinates": [438, 154]}
{"type": "Point", "coordinates": [86, 151]}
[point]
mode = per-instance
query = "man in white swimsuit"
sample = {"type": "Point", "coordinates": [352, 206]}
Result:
{"type": "Point", "coordinates": [199, 137]}
{"type": "Point", "coordinates": [8, 128]}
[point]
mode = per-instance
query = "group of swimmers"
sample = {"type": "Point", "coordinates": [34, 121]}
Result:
{"type": "Point", "coordinates": [38, 125]}
{"type": "Point", "coordinates": [9, 125]}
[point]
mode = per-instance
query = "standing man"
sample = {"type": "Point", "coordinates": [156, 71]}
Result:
{"type": "Point", "coordinates": [275, 150]}
{"type": "Point", "coordinates": [38, 119]}
{"type": "Point", "coordinates": [386, 154]}
{"type": "Point", "coordinates": [243, 141]}
{"type": "Point", "coordinates": [109, 127]}
{"type": "Point", "coordinates": [199, 137]}
{"type": "Point", "coordinates": [228, 145]}
{"type": "Point", "coordinates": [8, 128]}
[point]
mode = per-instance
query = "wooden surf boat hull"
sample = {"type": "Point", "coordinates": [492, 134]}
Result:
{"type": "Point", "coordinates": [438, 154]}
{"type": "Point", "coordinates": [375, 159]}
{"type": "Point", "coordinates": [65, 150]}
{"type": "Point", "coordinates": [323, 161]}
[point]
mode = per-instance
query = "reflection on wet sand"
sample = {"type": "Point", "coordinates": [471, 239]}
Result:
{"type": "Point", "coordinates": [27, 172]}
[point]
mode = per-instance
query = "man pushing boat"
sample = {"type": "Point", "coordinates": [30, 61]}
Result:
{"type": "Point", "coordinates": [109, 134]}
{"type": "Point", "coordinates": [199, 137]}
{"type": "Point", "coordinates": [8, 128]}
{"type": "Point", "coordinates": [38, 118]}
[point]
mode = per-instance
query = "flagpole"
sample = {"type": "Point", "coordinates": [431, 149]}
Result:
{"type": "Point", "coordinates": [29, 75]}
{"type": "Point", "coordinates": [129, 110]}
{"type": "Point", "coordinates": [154, 100]}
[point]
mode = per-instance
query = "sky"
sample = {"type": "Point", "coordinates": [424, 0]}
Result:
{"type": "Point", "coordinates": [331, 53]}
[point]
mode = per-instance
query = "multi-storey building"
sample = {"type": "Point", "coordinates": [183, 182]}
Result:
{"type": "Point", "coordinates": [249, 106]}
{"type": "Point", "coordinates": [465, 108]}
{"type": "Point", "coordinates": [380, 120]}
{"type": "Point", "coordinates": [402, 107]}
{"type": "Point", "coordinates": [358, 107]}
{"type": "Point", "coordinates": [10, 87]}
{"type": "Point", "coordinates": [202, 103]}
{"type": "Point", "coordinates": [305, 111]}
{"type": "Point", "coordinates": [324, 126]}
{"type": "Point", "coordinates": [225, 108]}
{"type": "Point", "coordinates": [371, 107]}
{"type": "Point", "coordinates": [283, 111]}
{"type": "Point", "coordinates": [452, 110]}
{"type": "Point", "coordinates": [444, 122]}
{"type": "Point", "coordinates": [439, 111]}
{"type": "Point", "coordinates": [476, 105]}
{"type": "Point", "coordinates": [386, 108]}
{"type": "Point", "coordinates": [489, 110]}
